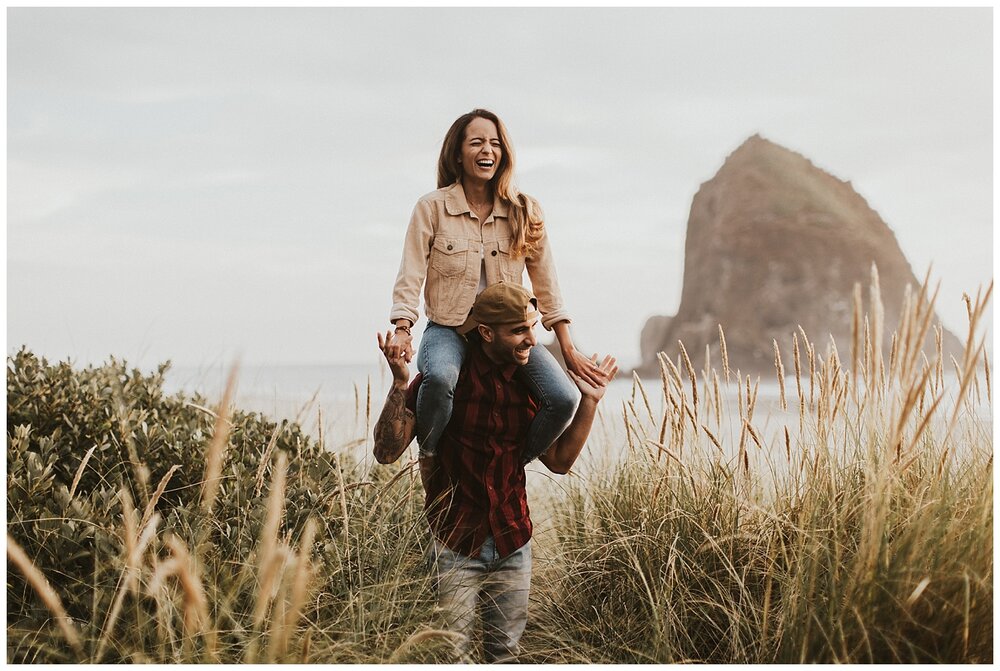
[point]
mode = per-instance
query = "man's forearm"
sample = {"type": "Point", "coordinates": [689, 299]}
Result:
{"type": "Point", "coordinates": [395, 426]}
{"type": "Point", "coordinates": [563, 454]}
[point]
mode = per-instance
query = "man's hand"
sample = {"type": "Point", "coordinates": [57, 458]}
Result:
{"type": "Point", "coordinates": [396, 424]}
{"type": "Point", "coordinates": [604, 373]}
{"type": "Point", "coordinates": [395, 353]}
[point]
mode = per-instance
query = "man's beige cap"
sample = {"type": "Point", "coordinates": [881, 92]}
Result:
{"type": "Point", "coordinates": [501, 303]}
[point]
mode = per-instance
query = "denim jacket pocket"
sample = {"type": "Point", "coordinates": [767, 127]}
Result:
{"type": "Point", "coordinates": [511, 267]}
{"type": "Point", "coordinates": [449, 256]}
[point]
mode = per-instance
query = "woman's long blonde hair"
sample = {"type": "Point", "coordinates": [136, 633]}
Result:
{"type": "Point", "coordinates": [525, 216]}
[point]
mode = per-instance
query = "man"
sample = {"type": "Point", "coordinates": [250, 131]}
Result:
{"type": "Point", "coordinates": [475, 498]}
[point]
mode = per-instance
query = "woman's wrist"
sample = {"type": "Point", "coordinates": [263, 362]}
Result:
{"type": "Point", "coordinates": [563, 337]}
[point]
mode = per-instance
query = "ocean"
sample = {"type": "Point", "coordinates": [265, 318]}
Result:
{"type": "Point", "coordinates": [332, 396]}
{"type": "Point", "coordinates": [342, 402]}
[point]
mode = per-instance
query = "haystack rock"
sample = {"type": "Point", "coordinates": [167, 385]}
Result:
{"type": "Point", "coordinates": [774, 243]}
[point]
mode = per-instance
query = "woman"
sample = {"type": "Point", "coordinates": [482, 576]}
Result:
{"type": "Point", "coordinates": [473, 231]}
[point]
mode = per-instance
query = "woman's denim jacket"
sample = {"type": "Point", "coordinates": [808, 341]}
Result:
{"type": "Point", "coordinates": [443, 246]}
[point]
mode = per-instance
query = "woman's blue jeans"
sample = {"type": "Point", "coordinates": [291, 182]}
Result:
{"type": "Point", "coordinates": [442, 351]}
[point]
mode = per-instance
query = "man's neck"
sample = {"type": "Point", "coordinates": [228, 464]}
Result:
{"type": "Point", "coordinates": [495, 360]}
{"type": "Point", "coordinates": [492, 357]}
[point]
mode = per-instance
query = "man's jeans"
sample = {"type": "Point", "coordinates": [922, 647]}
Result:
{"type": "Point", "coordinates": [439, 360]}
{"type": "Point", "coordinates": [499, 587]}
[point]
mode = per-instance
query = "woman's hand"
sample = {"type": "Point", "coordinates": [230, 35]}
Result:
{"type": "Point", "coordinates": [606, 372]}
{"type": "Point", "coordinates": [587, 369]}
{"type": "Point", "coordinates": [403, 338]}
{"type": "Point", "coordinates": [577, 362]}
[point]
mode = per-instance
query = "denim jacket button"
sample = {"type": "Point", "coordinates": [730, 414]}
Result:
{"type": "Point", "coordinates": [494, 252]}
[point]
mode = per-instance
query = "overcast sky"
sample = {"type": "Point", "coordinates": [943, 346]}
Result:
{"type": "Point", "coordinates": [194, 184]}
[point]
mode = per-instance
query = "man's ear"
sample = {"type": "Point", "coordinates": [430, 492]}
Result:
{"type": "Point", "coordinates": [485, 332]}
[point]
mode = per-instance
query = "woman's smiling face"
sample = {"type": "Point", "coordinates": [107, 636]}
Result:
{"type": "Point", "coordinates": [481, 151]}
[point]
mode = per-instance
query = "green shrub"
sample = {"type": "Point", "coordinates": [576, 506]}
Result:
{"type": "Point", "coordinates": [366, 548]}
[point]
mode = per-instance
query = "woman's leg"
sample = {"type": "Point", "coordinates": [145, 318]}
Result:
{"type": "Point", "coordinates": [439, 360]}
{"type": "Point", "coordinates": [557, 395]}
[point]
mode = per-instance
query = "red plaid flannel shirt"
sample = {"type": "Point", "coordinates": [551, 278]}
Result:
{"type": "Point", "coordinates": [477, 486]}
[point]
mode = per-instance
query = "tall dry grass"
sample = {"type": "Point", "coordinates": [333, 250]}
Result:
{"type": "Point", "coordinates": [857, 529]}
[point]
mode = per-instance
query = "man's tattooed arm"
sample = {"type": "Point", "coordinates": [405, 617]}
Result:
{"type": "Point", "coordinates": [395, 426]}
